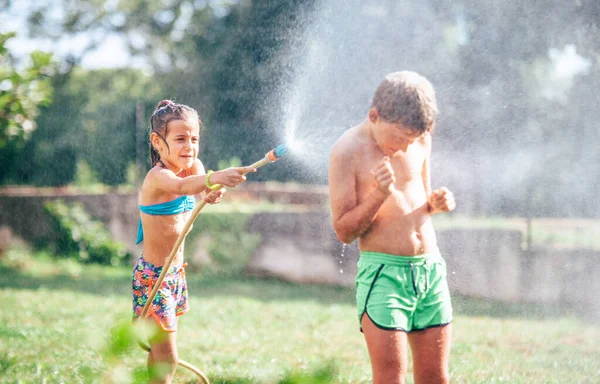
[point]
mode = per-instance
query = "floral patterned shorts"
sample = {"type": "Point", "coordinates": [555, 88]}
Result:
{"type": "Point", "coordinates": [170, 301]}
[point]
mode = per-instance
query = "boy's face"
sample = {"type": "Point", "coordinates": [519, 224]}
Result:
{"type": "Point", "coordinates": [183, 139]}
{"type": "Point", "coordinates": [392, 137]}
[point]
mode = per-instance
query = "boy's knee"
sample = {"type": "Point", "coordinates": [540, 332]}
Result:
{"type": "Point", "coordinates": [432, 376]}
{"type": "Point", "coordinates": [389, 377]}
{"type": "Point", "coordinates": [390, 374]}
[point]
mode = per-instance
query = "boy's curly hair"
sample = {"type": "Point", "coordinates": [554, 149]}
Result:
{"type": "Point", "coordinates": [407, 98]}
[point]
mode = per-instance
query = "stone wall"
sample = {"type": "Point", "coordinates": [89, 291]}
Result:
{"type": "Point", "coordinates": [485, 263]}
{"type": "Point", "coordinates": [22, 209]}
{"type": "Point", "coordinates": [302, 247]}
{"type": "Point", "coordinates": [489, 264]}
{"type": "Point", "coordinates": [25, 216]}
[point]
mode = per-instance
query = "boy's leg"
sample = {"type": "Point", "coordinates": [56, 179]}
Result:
{"type": "Point", "coordinates": [163, 357]}
{"type": "Point", "coordinates": [388, 353]}
{"type": "Point", "coordinates": [431, 353]}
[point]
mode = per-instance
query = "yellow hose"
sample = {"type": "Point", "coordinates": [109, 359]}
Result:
{"type": "Point", "coordinates": [202, 379]}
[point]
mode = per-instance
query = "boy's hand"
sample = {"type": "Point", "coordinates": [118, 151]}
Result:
{"type": "Point", "coordinates": [384, 175]}
{"type": "Point", "coordinates": [231, 177]}
{"type": "Point", "coordinates": [441, 200]}
{"type": "Point", "coordinates": [214, 197]}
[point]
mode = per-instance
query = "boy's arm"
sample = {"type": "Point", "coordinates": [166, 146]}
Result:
{"type": "Point", "coordinates": [350, 219]}
{"type": "Point", "coordinates": [426, 171]}
{"type": "Point", "coordinates": [441, 199]}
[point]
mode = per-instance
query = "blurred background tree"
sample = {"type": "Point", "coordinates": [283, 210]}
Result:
{"type": "Point", "coordinates": [22, 91]}
{"type": "Point", "coordinates": [514, 136]}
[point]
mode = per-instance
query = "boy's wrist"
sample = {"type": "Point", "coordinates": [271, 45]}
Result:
{"type": "Point", "coordinates": [431, 209]}
{"type": "Point", "coordinates": [381, 194]}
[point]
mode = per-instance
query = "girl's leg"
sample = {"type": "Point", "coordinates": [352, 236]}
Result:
{"type": "Point", "coordinates": [431, 353]}
{"type": "Point", "coordinates": [388, 353]}
{"type": "Point", "coordinates": [163, 358]}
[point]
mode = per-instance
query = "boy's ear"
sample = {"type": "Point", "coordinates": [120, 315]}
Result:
{"type": "Point", "coordinates": [373, 115]}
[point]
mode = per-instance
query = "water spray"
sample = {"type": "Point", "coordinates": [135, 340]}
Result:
{"type": "Point", "coordinates": [270, 157]}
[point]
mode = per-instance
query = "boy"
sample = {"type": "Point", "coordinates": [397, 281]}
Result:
{"type": "Point", "coordinates": [380, 193]}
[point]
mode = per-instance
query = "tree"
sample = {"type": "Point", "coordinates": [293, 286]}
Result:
{"type": "Point", "coordinates": [22, 91]}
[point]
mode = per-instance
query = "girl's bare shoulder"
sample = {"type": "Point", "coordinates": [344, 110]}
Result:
{"type": "Point", "coordinates": [156, 176]}
{"type": "Point", "coordinates": [196, 169]}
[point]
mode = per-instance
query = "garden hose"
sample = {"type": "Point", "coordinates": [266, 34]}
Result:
{"type": "Point", "coordinates": [270, 157]}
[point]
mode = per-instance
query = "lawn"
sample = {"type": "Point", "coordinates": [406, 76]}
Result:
{"type": "Point", "coordinates": [56, 319]}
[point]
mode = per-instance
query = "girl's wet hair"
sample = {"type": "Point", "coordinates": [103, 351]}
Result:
{"type": "Point", "coordinates": [165, 112]}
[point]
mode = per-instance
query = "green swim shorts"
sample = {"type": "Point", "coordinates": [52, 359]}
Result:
{"type": "Point", "coordinates": [403, 293]}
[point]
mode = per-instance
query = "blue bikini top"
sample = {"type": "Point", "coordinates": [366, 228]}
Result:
{"type": "Point", "coordinates": [179, 205]}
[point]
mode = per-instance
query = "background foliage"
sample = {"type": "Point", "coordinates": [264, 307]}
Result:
{"type": "Point", "coordinates": [22, 91]}
{"type": "Point", "coordinates": [515, 137]}
{"type": "Point", "coordinates": [80, 237]}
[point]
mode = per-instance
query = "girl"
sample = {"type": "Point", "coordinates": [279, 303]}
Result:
{"type": "Point", "coordinates": [166, 197]}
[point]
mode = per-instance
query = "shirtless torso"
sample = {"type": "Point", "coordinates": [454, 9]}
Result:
{"type": "Point", "coordinates": [402, 225]}
{"type": "Point", "coordinates": [161, 232]}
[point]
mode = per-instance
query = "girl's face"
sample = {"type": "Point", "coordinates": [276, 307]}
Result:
{"type": "Point", "coordinates": [183, 139]}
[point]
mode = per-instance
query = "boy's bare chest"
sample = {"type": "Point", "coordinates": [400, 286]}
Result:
{"type": "Point", "coordinates": [407, 166]}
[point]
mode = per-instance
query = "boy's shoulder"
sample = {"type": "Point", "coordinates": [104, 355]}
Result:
{"type": "Point", "coordinates": [349, 142]}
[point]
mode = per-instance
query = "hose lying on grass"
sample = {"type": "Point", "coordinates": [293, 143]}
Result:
{"type": "Point", "coordinates": [270, 157]}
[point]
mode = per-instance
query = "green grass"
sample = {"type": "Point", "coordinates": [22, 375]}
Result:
{"type": "Point", "coordinates": [56, 319]}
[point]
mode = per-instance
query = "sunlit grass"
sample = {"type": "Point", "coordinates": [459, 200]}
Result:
{"type": "Point", "coordinates": [55, 325]}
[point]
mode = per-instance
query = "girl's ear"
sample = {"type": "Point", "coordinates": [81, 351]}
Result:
{"type": "Point", "coordinates": [156, 141]}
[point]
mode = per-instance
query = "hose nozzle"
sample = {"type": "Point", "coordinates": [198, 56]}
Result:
{"type": "Point", "coordinates": [277, 152]}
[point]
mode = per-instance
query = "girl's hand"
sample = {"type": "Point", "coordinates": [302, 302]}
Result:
{"type": "Point", "coordinates": [231, 177]}
{"type": "Point", "coordinates": [441, 200]}
{"type": "Point", "coordinates": [214, 197]}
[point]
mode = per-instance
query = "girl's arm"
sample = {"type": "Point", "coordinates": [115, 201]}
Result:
{"type": "Point", "coordinates": [211, 197]}
{"type": "Point", "coordinates": [197, 169]}
{"type": "Point", "coordinates": [165, 180]}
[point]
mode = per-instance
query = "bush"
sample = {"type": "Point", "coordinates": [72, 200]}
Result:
{"type": "Point", "coordinates": [230, 246]}
{"type": "Point", "coordinates": [81, 237]}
